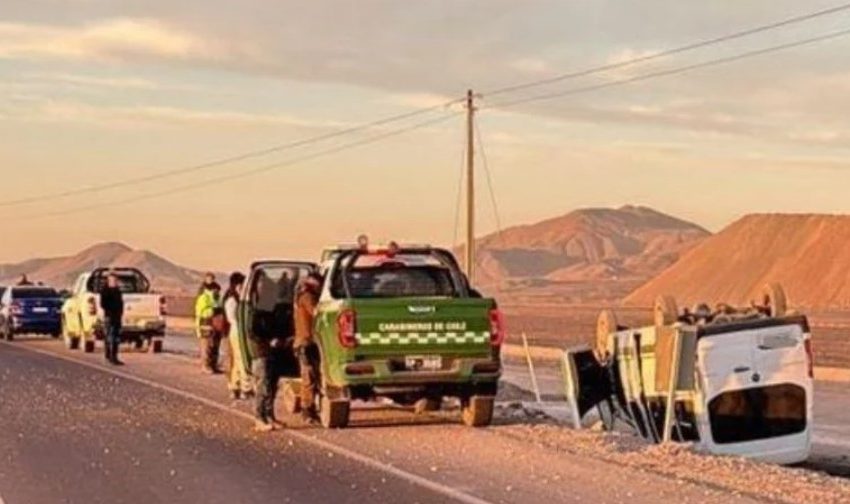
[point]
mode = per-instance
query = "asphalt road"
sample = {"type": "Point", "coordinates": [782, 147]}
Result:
{"type": "Point", "coordinates": [76, 435]}
{"type": "Point", "coordinates": [157, 430]}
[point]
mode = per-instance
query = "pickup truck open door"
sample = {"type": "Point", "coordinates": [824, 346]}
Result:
{"type": "Point", "coordinates": [267, 303]}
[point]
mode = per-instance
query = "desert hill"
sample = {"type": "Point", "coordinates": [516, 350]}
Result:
{"type": "Point", "coordinates": [62, 271]}
{"type": "Point", "coordinates": [593, 253]}
{"type": "Point", "coordinates": [808, 254]}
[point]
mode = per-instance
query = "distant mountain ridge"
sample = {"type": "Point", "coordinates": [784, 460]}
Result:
{"type": "Point", "coordinates": [588, 254]}
{"type": "Point", "coordinates": [61, 272]}
{"type": "Point", "coordinates": [611, 248]}
{"type": "Point", "coordinates": [807, 253]}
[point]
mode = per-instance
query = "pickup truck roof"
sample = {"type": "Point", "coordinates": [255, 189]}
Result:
{"type": "Point", "coordinates": [332, 252]}
{"type": "Point", "coordinates": [349, 259]}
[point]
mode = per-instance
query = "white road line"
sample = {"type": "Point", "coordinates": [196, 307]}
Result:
{"type": "Point", "coordinates": [415, 479]}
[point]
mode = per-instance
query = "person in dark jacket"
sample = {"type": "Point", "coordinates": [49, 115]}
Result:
{"type": "Point", "coordinates": [112, 303]}
{"type": "Point", "coordinates": [266, 368]}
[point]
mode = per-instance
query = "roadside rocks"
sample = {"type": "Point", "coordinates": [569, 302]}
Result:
{"type": "Point", "coordinates": [684, 463]}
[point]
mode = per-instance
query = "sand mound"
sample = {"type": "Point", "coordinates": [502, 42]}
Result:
{"type": "Point", "coordinates": [809, 254]}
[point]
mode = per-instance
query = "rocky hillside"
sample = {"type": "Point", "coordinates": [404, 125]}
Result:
{"type": "Point", "coordinates": [805, 252]}
{"type": "Point", "coordinates": [592, 250]}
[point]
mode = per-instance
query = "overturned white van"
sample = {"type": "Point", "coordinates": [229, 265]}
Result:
{"type": "Point", "coordinates": [743, 378]}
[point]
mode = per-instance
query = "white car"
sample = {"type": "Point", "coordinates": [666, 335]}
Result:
{"type": "Point", "coordinates": [144, 312]}
{"type": "Point", "coordinates": [744, 387]}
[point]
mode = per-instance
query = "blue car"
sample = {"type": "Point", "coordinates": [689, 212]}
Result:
{"type": "Point", "coordinates": [30, 309]}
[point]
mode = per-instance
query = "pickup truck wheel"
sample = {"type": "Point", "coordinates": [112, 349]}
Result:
{"type": "Point", "coordinates": [334, 413]}
{"type": "Point", "coordinates": [155, 346]}
{"type": "Point", "coordinates": [88, 346]}
{"type": "Point", "coordinates": [138, 343]}
{"type": "Point", "coordinates": [291, 397]}
{"type": "Point", "coordinates": [477, 411]}
{"type": "Point", "coordinates": [427, 404]}
{"type": "Point", "coordinates": [71, 342]}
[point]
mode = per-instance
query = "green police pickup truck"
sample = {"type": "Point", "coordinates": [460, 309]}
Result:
{"type": "Point", "coordinates": [399, 323]}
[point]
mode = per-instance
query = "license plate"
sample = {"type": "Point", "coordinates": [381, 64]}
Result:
{"type": "Point", "coordinates": [39, 310]}
{"type": "Point", "coordinates": [423, 363]}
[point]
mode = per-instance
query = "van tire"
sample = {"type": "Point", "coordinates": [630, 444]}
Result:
{"type": "Point", "coordinates": [665, 312]}
{"type": "Point", "coordinates": [775, 299]}
{"type": "Point", "coordinates": [334, 413]}
{"type": "Point", "coordinates": [606, 324]}
{"type": "Point", "coordinates": [291, 397]}
{"type": "Point", "coordinates": [477, 411]}
{"type": "Point", "coordinates": [88, 346]}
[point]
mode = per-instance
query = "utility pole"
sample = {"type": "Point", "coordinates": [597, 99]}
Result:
{"type": "Point", "coordinates": [470, 186]}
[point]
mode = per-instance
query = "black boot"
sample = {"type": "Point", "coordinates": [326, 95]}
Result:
{"type": "Point", "coordinates": [115, 360]}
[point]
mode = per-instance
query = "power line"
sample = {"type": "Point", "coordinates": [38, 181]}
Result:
{"type": "Point", "coordinates": [669, 52]}
{"type": "Point", "coordinates": [249, 173]}
{"type": "Point", "coordinates": [499, 91]}
{"type": "Point", "coordinates": [671, 71]}
{"type": "Point", "coordinates": [459, 196]}
{"type": "Point", "coordinates": [489, 183]}
{"type": "Point", "coordinates": [227, 160]}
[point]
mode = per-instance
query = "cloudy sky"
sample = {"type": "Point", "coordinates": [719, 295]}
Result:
{"type": "Point", "coordinates": [99, 91]}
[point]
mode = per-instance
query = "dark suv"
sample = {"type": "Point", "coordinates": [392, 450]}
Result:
{"type": "Point", "coordinates": [30, 309]}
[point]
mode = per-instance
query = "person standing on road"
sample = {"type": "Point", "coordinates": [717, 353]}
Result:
{"type": "Point", "coordinates": [305, 345]}
{"type": "Point", "coordinates": [266, 367]}
{"type": "Point", "coordinates": [112, 304]}
{"type": "Point", "coordinates": [239, 381]}
{"type": "Point", "coordinates": [209, 323]}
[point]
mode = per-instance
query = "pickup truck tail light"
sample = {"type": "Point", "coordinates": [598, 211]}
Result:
{"type": "Point", "coordinates": [163, 306]}
{"type": "Point", "coordinates": [497, 327]}
{"type": "Point", "coordinates": [346, 324]}
{"type": "Point", "coordinates": [16, 309]}
{"type": "Point", "coordinates": [810, 356]}
{"type": "Point", "coordinates": [92, 306]}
